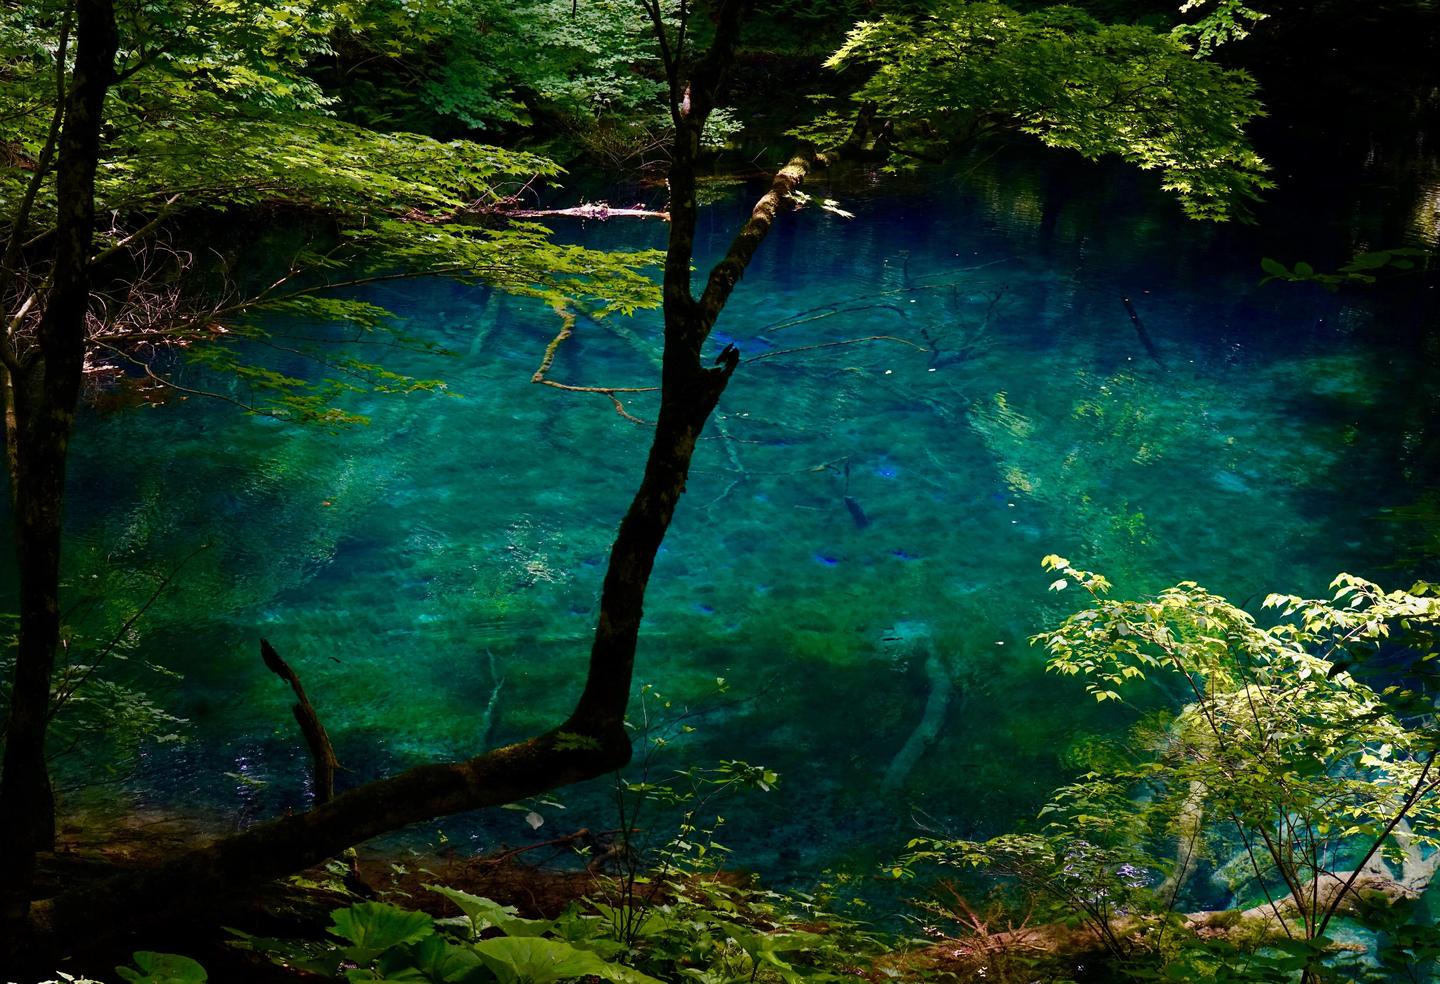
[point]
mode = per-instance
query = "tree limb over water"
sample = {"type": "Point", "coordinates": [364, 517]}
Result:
{"type": "Point", "coordinates": [512, 209]}
{"type": "Point", "coordinates": [592, 740]}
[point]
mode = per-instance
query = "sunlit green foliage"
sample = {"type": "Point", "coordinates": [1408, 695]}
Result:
{"type": "Point", "coordinates": [1220, 21]}
{"type": "Point", "coordinates": [708, 932]}
{"type": "Point", "coordinates": [104, 706]}
{"type": "Point", "coordinates": [1314, 785]}
{"type": "Point", "coordinates": [483, 63]}
{"type": "Point", "coordinates": [215, 111]}
{"type": "Point", "coordinates": [973, 70]}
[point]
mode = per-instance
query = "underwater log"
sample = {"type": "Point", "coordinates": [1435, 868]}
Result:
{"type": "Point", "coordinates": [1145, 338]}
{"type": "Point", "coordinates": [928, 728]}
{"type": "Point", "coordinates": [856, 513]}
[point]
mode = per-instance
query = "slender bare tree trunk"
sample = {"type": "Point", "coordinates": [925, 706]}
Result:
{"type": "Point", "coordinates": [593, 740]}
{"type": "Point", "coordinates": [43, 386]}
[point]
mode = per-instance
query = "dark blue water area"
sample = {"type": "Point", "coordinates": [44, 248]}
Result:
{"type": "Point", "coordinates": [934, 394]}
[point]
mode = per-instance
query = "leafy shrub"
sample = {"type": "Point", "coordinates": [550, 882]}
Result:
{"type": "Point", "coordinates": [710, 933]}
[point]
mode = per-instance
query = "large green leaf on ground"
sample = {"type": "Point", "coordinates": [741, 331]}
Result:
{"type": "Point", "coordinates": [374, 927]}
{"type": "Point", "coordinates": [532, 960]}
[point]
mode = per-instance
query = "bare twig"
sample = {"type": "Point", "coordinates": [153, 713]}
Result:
{"type": "Point", "coordinates": [67, 691]}
{"type": "Point", "coordinates": [321, 750]}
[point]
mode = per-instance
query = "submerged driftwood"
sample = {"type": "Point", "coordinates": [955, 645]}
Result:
{"type": "Point", "coordinates": [929, 725]}
{"type": "Point", "coordinates": [911, 641]}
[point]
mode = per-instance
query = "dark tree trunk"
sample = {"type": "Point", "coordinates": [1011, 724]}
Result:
{"type": "Point", "coordinates": [44, 384]}
{"type": "Point", "coordinates": [593, 740]}
{"type": "Point", "coordinates": [270, 850]}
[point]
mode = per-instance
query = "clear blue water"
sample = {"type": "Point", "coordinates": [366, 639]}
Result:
{"type": "Point", "coordinates": [409, 566]}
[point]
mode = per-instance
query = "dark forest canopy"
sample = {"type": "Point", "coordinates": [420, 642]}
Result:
{"type": "Point", "coordinates": [132, 130]}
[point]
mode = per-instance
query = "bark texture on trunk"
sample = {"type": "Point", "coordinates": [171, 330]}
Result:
{"type": "Point", "coordinates": [593, 740]}
{"type": "Point", "coordinates": [322, 752]}
{"type": "Point", "coordinates": [292, 843]}
{"type": "Point", "coordinates": [43, 386]}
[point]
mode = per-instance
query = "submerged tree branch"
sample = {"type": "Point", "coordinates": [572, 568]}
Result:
{"type": "Point", "coordinates": [322, 752]}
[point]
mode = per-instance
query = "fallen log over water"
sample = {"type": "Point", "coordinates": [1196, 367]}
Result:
{"type": "Point", "coordinates": [512, 208]}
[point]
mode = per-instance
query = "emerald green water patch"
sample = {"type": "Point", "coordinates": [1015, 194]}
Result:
{"type": "Point", "coordinates": [934, 395]}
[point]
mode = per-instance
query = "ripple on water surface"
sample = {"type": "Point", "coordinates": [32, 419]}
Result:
{"type": "Point", "coordinates": [853, 511]}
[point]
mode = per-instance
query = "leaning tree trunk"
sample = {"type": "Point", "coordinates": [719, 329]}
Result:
{"type": "Point", "coordinates": [593, 740]}
{"type": "Point", "coordinates": [43, 386]}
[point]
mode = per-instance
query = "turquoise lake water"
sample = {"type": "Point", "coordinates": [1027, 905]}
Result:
{"type": "Point", "coordinates": [1275, 436]}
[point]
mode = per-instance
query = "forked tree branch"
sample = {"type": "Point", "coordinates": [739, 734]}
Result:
{"type": "Point", "coordinates": [590, 743]}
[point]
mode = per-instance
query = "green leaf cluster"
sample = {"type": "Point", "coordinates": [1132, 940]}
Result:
{"type": "Point", "coordinates": [1220, 22]}
{"type": "Point", "coordinates": [162, 968]}
{"type": "Point", "coordinates": [486, 64]}
{"type": "Point", "coordinates": [216, 112]}
{"type": "Point", "coordinates": [1364, 268]}
{"type": "Point", "coordinates": [964, 71]}
{"type": "Point", "coordinates": [1282, 769]}
{"type": "Point", "coordinates": [706, 932]}
{"type": "Point", "coordinates": [101, 704]}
